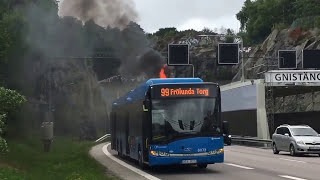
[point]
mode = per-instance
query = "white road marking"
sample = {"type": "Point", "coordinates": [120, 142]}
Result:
{"type": "Point", "coordinates": [239, 166]}
{"type": "Point", "coordinates": [291, 177]}
{"type": "Point", "coordinates": [292, 160]}
{"type": "Point", "coordinates": [136, 170]}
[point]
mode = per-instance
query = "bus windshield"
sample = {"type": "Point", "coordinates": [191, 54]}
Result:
{"type": "Point", "coordinates": [184, 117]}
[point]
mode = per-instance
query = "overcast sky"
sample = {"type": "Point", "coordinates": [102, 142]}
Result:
{"type": "Point", "coordinates": [188, 14]}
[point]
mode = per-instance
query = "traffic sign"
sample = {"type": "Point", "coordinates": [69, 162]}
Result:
{"type": "Point", "coordinates": [311, 59]}
{"type": "Point", "coordinates": [178, 54]}
{"type": "Point", "coordinates": [228, 53]}
{"type": "Point", "coordinates": [287, 59]}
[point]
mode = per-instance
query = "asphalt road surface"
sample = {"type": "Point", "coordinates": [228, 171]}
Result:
{"type": "Point", "coordinates": [241, 163]}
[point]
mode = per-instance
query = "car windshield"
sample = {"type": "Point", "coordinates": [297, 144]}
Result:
{"type": "Point", "coordinates": [174, 118]}
{"type": "Point", "coordinates": [303, 132]}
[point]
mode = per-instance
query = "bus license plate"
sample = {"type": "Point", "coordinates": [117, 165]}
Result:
{"type": "Point", "coordinates": [189, 161]}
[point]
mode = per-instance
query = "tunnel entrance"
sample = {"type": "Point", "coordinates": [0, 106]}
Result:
{"type": "Point", "coordinates": [293, 105]}
{"type": "Point", "coordinates": [298, 118]}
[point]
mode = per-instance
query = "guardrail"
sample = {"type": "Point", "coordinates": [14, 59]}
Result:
{"type": "Point", "coordinates": [103, 138]}
{"type": "Point", "coordinates": [250, 140]}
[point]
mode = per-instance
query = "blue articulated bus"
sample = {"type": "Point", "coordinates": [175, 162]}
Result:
{"type": "Point", "coordinates": [169, 121]}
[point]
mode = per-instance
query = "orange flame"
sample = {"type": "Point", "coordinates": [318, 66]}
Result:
{"type": "Point", "coordinates": [162, 74]}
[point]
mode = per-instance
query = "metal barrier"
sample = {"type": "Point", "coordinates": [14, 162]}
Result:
{"type": "Point", "coordinates": [250, 140]}
{"type": "Point", "coordinates": [103, 138]}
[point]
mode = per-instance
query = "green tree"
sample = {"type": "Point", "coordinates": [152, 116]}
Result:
{"type": "Point", "coordinates": [258, 18]}
{"type": "Point", "coordinates": [166, 32]}
{"type": "Point", "coordinates": [11, 45]}
{"type": "Point", "coordinates": [207, 31]}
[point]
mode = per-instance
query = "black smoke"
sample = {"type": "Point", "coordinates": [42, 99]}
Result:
{"type": "Point", "coordinates": [105, 13]}
{"type": "Point", "coordinates": [117, 33]}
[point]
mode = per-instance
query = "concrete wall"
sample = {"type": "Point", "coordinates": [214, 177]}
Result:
{"type": "Point", "coordinates": [242, 123]}
{"type": "Point", "coordinates": [239, 98]}
{"type": "Point", "coordinates": [243, 106]}
{"type": "Point", "coordinates": [262, 121]}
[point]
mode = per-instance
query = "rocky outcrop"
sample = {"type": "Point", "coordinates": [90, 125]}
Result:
{"type": "Point", "coordinates": [70, 91]}
{"type": "Point", "coordinates": [203, 50]}
{"type": "Point", "coordinates": [257, 61]}
{"type": "Point", "coordinates": [264, 57]}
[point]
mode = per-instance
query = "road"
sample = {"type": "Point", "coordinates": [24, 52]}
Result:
{"type": "Point", "coordinates": [241, 163]}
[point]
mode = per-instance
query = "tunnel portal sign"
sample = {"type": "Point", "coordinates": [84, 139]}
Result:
{"type": "Point", "coordinates": [297, 76]}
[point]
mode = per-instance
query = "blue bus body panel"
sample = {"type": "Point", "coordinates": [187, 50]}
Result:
{"type": "Point", "coordinates": [140, 92]}
{"type": "Point", "coordinates": [189, 149]}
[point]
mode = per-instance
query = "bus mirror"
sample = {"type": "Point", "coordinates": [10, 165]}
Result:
{"type": "Point", "coordinates": [191, 125]}
{"type": "Point", "coordinates": [225, 127]}
{"type": "Point", "coordinates": [146, 105]}
{"type": "Point", "coordinates": [180, 124]}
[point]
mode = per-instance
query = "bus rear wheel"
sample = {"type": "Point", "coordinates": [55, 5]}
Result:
{"type": "Point", "coordinates": [120, 150]}
{"type": "Point", "coordinates": [202, 166]}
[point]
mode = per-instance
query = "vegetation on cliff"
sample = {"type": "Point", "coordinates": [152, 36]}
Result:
{"type": "Point", "coordinates": [258, 18]}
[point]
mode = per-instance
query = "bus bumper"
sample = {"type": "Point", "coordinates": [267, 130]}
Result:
{"type": "Point", "coordinates": [161, 161]}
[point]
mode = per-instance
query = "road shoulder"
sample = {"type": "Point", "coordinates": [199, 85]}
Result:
{"type": "Point", "coordinates": [111, 166]}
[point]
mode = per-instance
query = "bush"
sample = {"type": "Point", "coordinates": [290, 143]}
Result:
{"type": "Point", "coordinates": [9, 101]}
{"type": "Point", "coordinates": [3, 143]}
{"type": "Point", "coordinates": [280, 26]}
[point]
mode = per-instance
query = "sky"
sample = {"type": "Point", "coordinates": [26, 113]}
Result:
{"type": "Point", "coordinates": [188, 14]}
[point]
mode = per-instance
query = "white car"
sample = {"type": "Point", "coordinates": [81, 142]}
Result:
{"type": "Point", "coordinates": [300, 139]}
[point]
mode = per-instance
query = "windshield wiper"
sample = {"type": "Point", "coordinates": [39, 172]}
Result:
{"type": "Point", "coordinates": [155, 138]}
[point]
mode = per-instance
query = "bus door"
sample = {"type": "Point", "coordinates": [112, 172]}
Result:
{"type": "Point", "coordinates": [127, 134]}
{"type": "Point", "coordinates": [113, 130]}
{"type": "Point", "coordinates": [146, 129]}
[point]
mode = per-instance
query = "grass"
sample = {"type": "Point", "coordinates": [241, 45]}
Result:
{"type": "Point", "coordinates": [67, 160]}
{"type": "Point", "coordinates": [7, 173]}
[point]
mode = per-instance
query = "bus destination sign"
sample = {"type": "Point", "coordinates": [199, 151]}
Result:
{"type": "Point", "coordinates": [179, 92]}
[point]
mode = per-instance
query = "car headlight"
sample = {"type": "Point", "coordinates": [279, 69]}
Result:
{"type": "Point", "coordinates": [300, 142]}
{"type": "Point", "coordinates": [159, 153]}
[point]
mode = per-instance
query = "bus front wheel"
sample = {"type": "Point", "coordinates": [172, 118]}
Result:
{"type": "Point", "coordinates": [202, 166]}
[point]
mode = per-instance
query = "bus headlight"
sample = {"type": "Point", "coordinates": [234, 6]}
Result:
{"type": "Point", "coordinates": [159, 153]}
{"type": "Point", "coordinates": [163, 154]}
{"type": "Point", "coordinates": [214, 152]}
{"type": "Point", "coordinates": [154, 153]}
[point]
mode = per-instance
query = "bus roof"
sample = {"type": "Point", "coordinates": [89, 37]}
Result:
{"type": "Point", "coordinates": [140, 91]}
